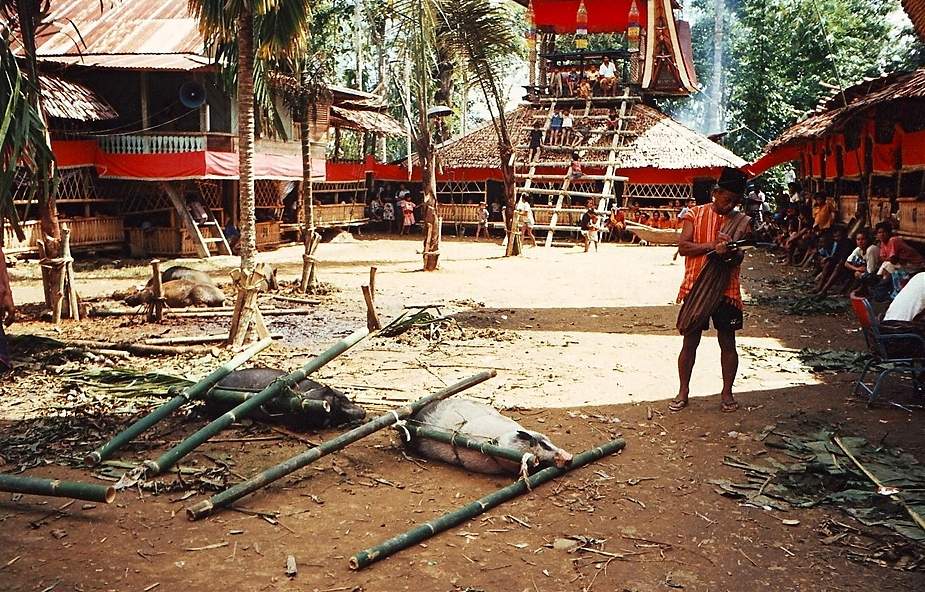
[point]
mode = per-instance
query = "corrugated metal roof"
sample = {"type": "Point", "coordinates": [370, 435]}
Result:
{"type": "Point", "coordinates": [159, 61]}
{"type": "Point", "coordinates": [660, 142]}
{"type": "Point", "coordinates": [370, 121]}
{"type": "Point", "coordinates": [103, 27]}
{"type": "Point", "coordinates": [916, 11]}
{"type": "Point", "coordinates": [63, 99]}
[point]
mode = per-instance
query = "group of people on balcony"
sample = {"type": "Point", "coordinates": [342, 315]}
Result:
{"type": "Point", "coordinates": [585, 83]}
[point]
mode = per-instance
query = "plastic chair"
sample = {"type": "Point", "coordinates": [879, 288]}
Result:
{"type": "Point", "coordinates": [884, 361]}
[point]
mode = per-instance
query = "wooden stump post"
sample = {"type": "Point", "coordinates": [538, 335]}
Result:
{"type": "Point", "coordinates": [156, 308]}
{"type": "Point", "coordinates": [73, 300]}
{"type": "Point", "coordinates": [369, 294]}
{"type": "Point", "coordinates": [246, 311]}
{"type": "Point", "coordinates": [308, 263]}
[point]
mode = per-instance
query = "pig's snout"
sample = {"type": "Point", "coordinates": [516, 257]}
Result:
{"type": "Point", "coordinates": [562, 458]}
{"type": "Point", "coordinates": [354, 412]}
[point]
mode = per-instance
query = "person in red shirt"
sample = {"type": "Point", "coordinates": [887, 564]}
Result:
{"type": "Point", "coordinates": [702, 234]}
{"type": "Point", "coordinates": [900, 261]}
{"type": "Point", "coordinates": [7, 312]}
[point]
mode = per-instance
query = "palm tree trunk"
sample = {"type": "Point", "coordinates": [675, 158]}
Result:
{"type": "Point", "coordinates": [716, 82]}
{"type": "Point", "coordinates": [308, 198]}
{"type": "Point", "coordinates": [247, 212]}
{"type": "Point", "coordinates": [427, 155]}
{"type": "Point", "coordinates": [48, 208]}
{"type": "Point", "coordinates": [506, 152]}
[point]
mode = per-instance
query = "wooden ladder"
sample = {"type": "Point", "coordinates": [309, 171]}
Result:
{"type": "Point", "coordinates": [616, 143]}
{"type": "Point", "coordinates": [200, 242]}
{"type": "Point", "coordinates": [566, 184]}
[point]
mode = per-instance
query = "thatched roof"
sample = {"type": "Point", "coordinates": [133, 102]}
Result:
{"type": "Point", "coordinates": [831, 114]}
{"type": "Point", "coordinates": [63, 99]}
{"type": "Point", "coordinates": [660, 142]}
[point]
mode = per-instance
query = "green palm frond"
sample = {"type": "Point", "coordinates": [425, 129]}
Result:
{"type": "Point", "coordinates": [24, 144]}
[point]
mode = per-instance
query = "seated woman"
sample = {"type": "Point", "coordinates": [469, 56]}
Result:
{"type": "Point", "coordinates": [863, 263]}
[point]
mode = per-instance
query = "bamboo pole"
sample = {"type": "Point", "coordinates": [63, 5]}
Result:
{"type": "Point", "coordinates": [232, 494]}
{"type": "Point", "coordinates": [172, 456]}
{"type": "Point", "coordinates": [57, 488]}
{"type": "Point", "coordinates": [912, 513]}
{"type": "Point", "coordinates": [486, 448]}
{"type": "Point", "coordinates": [278, 404]}
{"type": "Point", "coordinates": [186, 395]}
{"type": "Point", "coordinates": [73, 300]}
{"type": "Point", "coordinates": [455, 518]}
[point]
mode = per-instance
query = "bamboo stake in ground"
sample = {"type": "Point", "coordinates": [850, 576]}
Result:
{"type": "Point", "coordinates": [73, 300]}
{"type": "Point", "coordinates": [156, 308]}
{"type": "Point", "coordinates": [188, 394]}
{"type": "Point", "coordinates": [232, 494]}
{"type": "Point", "coordinates": [307, 284]}
{"type": "Point", "coordinates": [246, 310]}
{"type": "Point", "coordinates": [369, 294]}
{"type": "Point", "coordinates": [173, 456]}
{"type": "Point", "coordinates": [57, 488]}
{"type": "Point", "coordinates": [480, 506]}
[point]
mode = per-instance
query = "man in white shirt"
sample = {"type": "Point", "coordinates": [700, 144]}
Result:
{"type": "Point", "coordinates": [910, 302]}
{"type": "Point", "coordinates": [607, 76]}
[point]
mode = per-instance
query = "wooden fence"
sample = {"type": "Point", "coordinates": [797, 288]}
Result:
{"type": "Point", "coordinates": [333, 215]}
{"type": "Point", "coordinates": [97, 231]}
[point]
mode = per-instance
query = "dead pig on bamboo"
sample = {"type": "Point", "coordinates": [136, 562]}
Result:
{"type": "Point", "coordinates": [342, 409]}
{"type": "Point", "coordinates": [482, 423]}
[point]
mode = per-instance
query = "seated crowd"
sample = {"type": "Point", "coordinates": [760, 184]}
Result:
{"type": "Point", "coordinates": [585, 83]}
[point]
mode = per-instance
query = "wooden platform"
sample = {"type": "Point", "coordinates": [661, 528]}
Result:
{"type": "Point", "coordinates": [98, 232]}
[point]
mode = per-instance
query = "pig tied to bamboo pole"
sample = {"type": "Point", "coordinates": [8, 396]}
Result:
{"type": "Point", "coordinates": [186, 395]}
{"type": "Point", "coordinates": [282, 384]}
{"type": "Point", "coordinates": [264, 478]}
{"type": "Point", "coordinates": [449, 520]}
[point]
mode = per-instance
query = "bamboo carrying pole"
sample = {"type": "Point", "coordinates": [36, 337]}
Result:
{"type": "Point", "coordinates": [451, 519]}
{"type": "Point", "coordinates": [57, 488]}
{"type": "Point", "coordinates": [232, 494]}
{"type": "Point", "coordinates": [278, 404]}
{"type": "Point", "coordinates": [912, 513]}
{"type": "Point", "coordinates": [186, 395]}
{"type": "Point", "coordinates": [172, 456]}
{"type": "Point", "coordinates": [456, 439]}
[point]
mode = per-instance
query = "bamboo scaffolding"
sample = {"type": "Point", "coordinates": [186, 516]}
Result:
{"type": "Point", "coordinates": [172, 456]}
{"type": "Point", "coordinates": [486, 448]}
{"type": "Point", "coordinates": [90, 492]}
{"type": "Point", "coordinates": [186, 395]}
{"type": "Point", "coordinates": [276, 405]}
{"type": "Point", "coordinates": [267, 476]}
{"type": "Point", "coordinates": [449, 520]}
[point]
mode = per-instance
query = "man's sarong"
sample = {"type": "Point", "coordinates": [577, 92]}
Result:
{"type": "Point", "coordinates": [708, 288]}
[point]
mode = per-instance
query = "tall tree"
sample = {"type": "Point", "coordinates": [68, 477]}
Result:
{"type": "Point", "coordinates": [716, 83]}
{"type": "Point", "coordinates": [26, 143]}
{"type": "Point", "coordinates": [483, 36]}
{"type": "Point", "coordinates": [268, 28]}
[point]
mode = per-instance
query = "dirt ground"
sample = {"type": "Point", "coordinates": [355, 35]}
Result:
{"type": "Point", "coordinates": [585, 349]}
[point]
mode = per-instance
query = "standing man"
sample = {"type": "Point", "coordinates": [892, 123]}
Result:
{"type": "Point", "coordinates": [708, 229]}
{"type": "Point", "coordinates": [7, 313]}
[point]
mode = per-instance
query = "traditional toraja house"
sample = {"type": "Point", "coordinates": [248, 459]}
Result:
{"type": "Point", "coordinates": [866, 146]}
{"type": "Point", "coordinates": [629, 151]}
{"type": "Point", "coordinates": [916, 11]}
{"type": "Point", "coordinates": [164, 135]}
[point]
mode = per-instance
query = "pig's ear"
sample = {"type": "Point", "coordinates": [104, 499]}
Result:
{"type": "Point", "coordinates": [526, 436]}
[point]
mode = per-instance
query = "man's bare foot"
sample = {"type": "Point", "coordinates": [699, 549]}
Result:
{"type": "Point", "coordinates": [729, 405]}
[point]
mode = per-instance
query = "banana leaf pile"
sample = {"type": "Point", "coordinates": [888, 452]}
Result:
{"type": "Point", "coordinates": [817, 471]}
{"type": "Point", "coordinates": [817, 360]}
